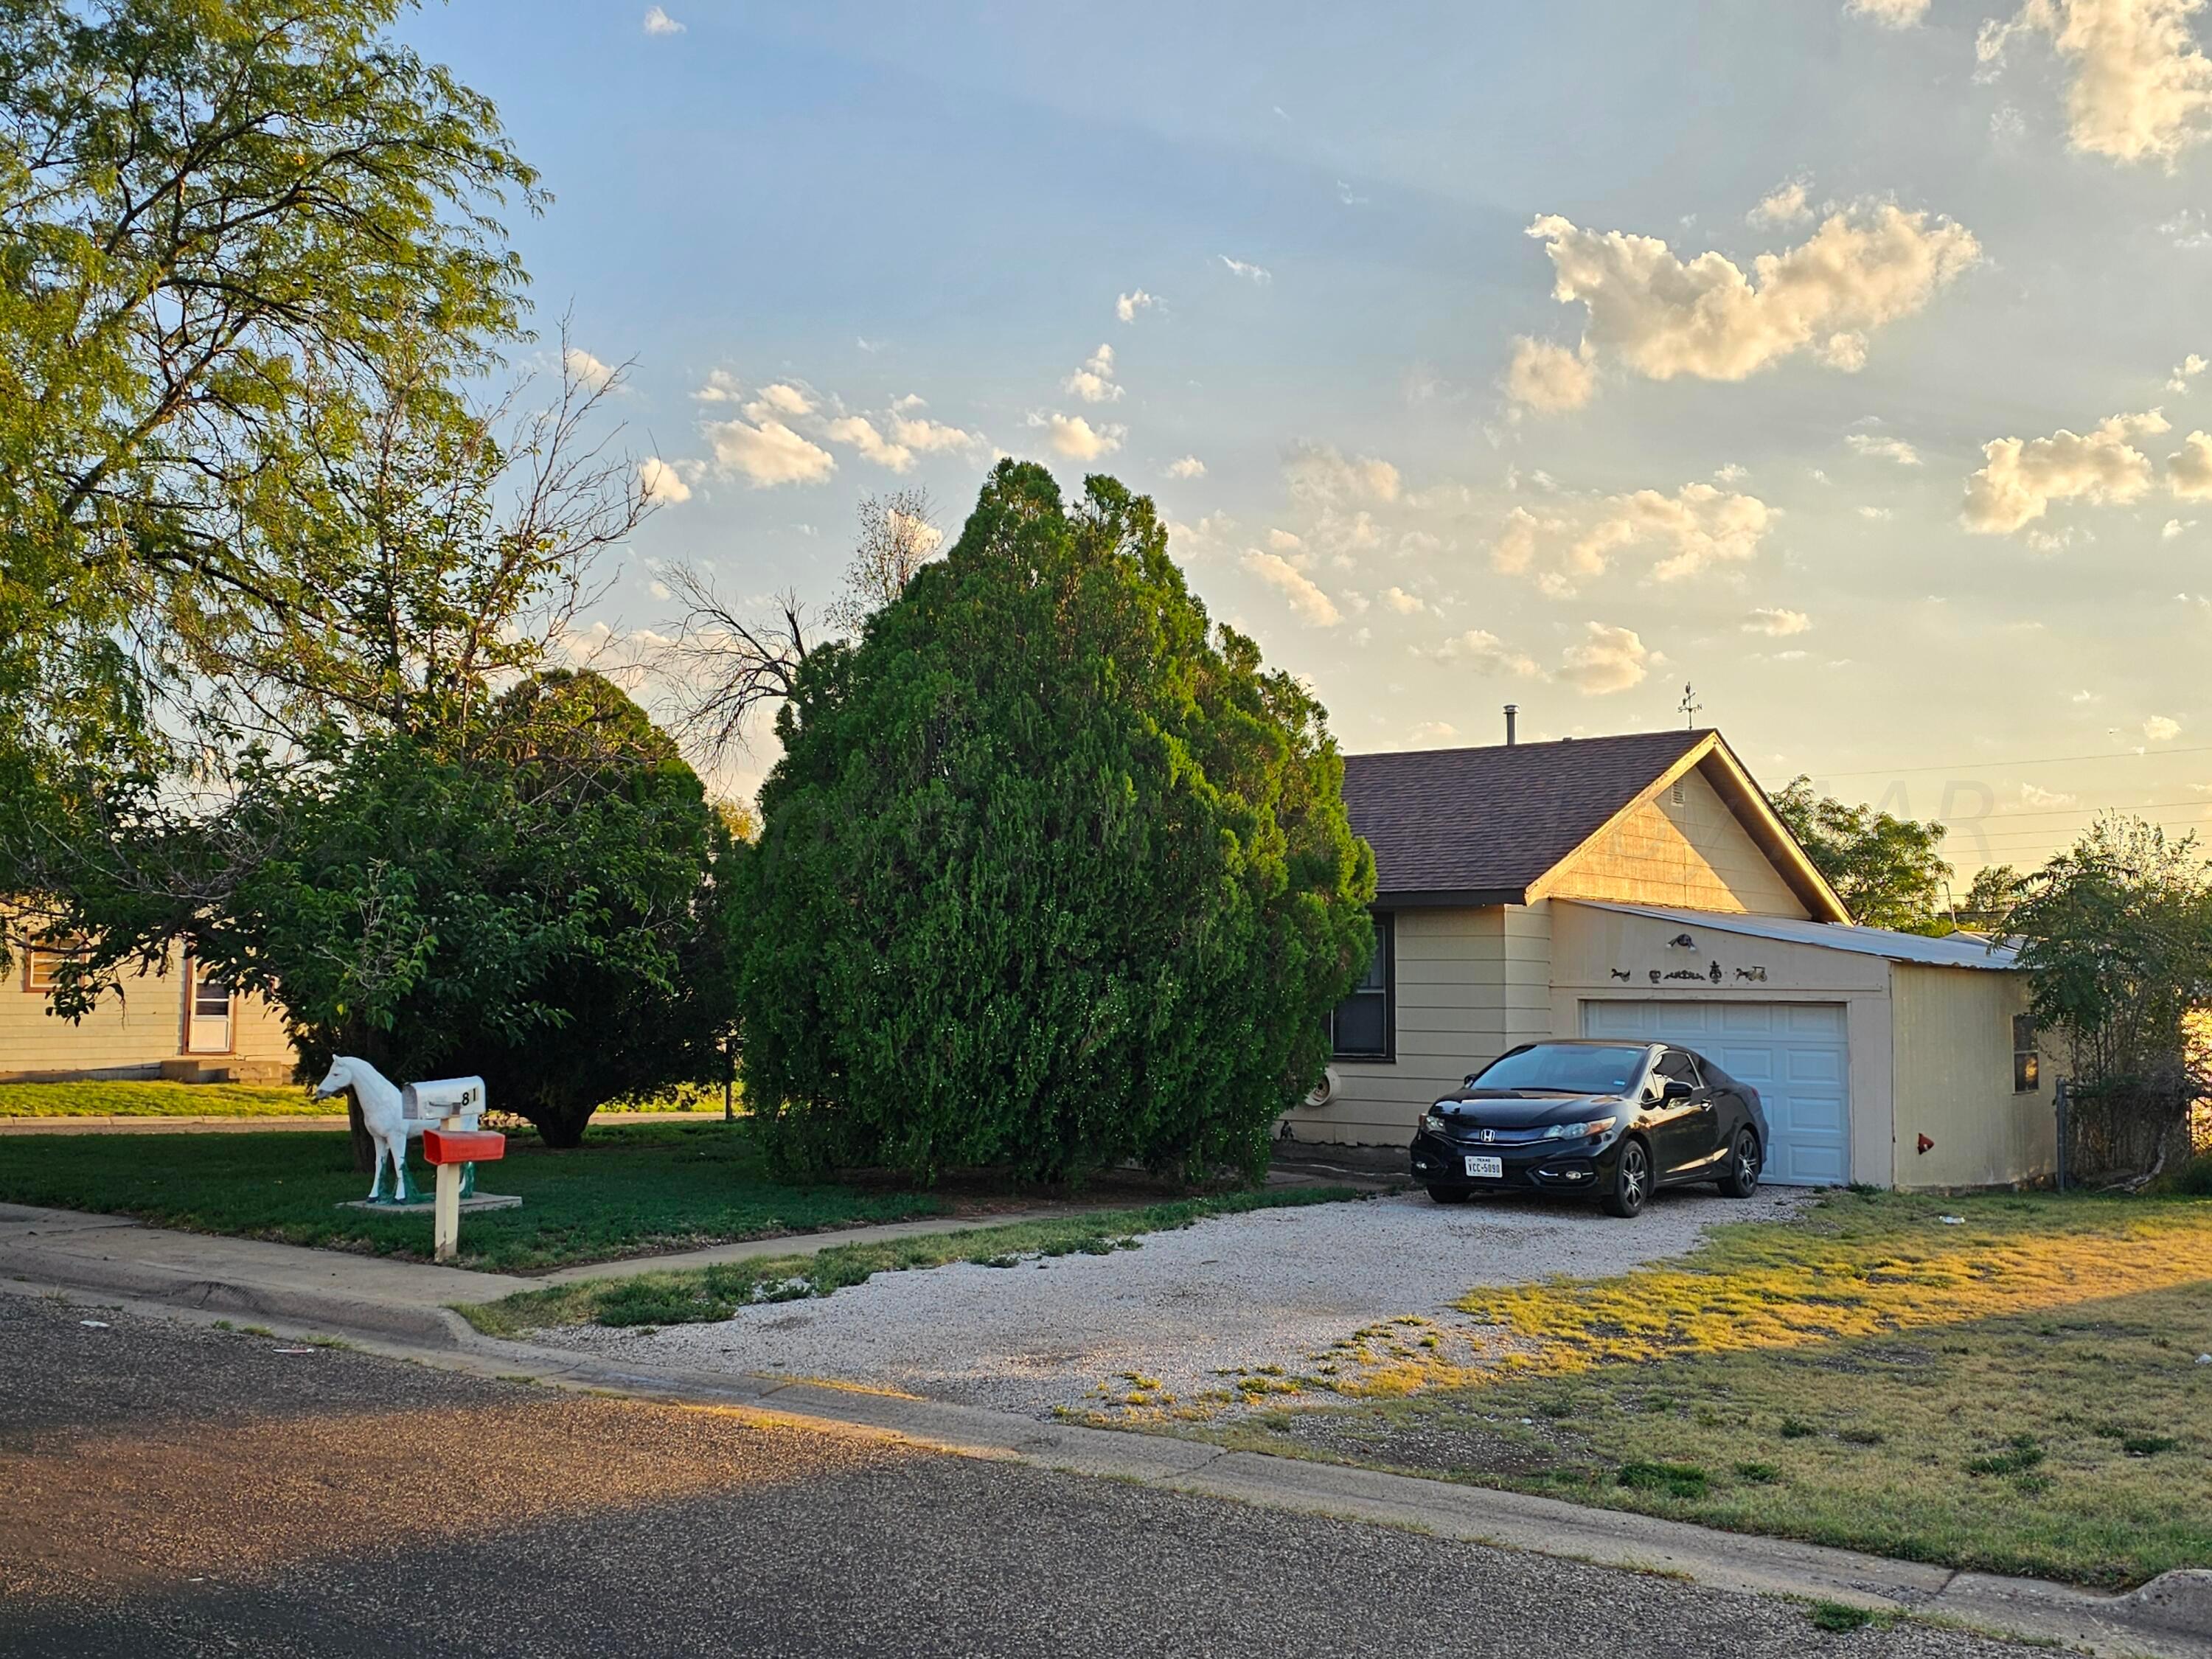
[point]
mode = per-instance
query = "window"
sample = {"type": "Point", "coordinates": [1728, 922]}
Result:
{"type": "Point", "coordinates": [1565, 1068]}
{"type": "Point", "coordinates": [40, 962]}
{"type": "Point", "coordinates": [1678, 1066]}
{"type": "Point", "coordinates": [2027, 1061]}
{"type": "Point", "coordinates": [1365, 1024]}
{"type": "Point", "coordinates": [211, 998]}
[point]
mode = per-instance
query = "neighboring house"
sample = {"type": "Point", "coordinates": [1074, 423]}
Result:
{"type": "Point", "coordinates": [180, 1023]}
{"type": "Point", "coordinates": [1640, 886]}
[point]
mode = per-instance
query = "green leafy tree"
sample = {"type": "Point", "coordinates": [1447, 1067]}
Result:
{"type": "Point", "coordinates": [2116, 935]}
{"type": "Point", "coordinates": [1990, 899]}
{"type": "Point", "coordinates": [544, 909]}
{"type": "Point", "coordinates": [1888, 871]}
{"type": "Point", "coordinates": [1050, 874]}
{"type": "Point", "coordinates": [214, 216]}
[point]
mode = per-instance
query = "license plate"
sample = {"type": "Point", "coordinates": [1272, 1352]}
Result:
{"type": "Point", "coordinates": [1492, 1169]}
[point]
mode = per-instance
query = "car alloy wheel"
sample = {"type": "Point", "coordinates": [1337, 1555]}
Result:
{"type": "Point", "coordinates": [1632, 1181]}
{"type": "Point", "coordinates": [1743, 1166]}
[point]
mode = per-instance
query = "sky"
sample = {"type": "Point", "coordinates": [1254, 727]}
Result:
{"type": "Point", "coordinates": [1844, 360]}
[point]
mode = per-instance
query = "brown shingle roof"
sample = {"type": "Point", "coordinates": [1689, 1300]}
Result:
{"type": "Point", "coordinates": [1481, 825]}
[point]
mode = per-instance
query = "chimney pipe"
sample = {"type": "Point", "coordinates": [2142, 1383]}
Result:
{"type": "Point", "coordinates": [1511, 710]}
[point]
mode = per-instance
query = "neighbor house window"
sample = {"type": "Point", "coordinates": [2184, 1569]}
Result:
{"type": "Point", "coordinates": [41, 962]}
{"type": "Point", "coordinates": [2027, 1062]}
{"type": "Point", "coordinates": [1365, 1024]}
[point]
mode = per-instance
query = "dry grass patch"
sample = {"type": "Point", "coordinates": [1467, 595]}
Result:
{"type": "Point", "coordinates": [2018, 1391]}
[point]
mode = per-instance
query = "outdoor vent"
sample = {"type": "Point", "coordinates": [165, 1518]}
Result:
{"type": "Point", "coordinates": [1681, 794]}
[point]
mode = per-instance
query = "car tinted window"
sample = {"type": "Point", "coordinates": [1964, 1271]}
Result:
{"type": "Point", "coordinates": [1679, 1063]}
{"type": "Point", "coordinates": [1568, 1068]}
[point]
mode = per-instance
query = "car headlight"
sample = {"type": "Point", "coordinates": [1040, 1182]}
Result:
{"type": "Point", "coordinates": [1596, 1125]}
{"type": "Point", "coordinates": [1433, 1123]}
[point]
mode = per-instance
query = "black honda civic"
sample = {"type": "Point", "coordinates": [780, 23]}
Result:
{"type": "Point", "coordinates": [1616, 1119]}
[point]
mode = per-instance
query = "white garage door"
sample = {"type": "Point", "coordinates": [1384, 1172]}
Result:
{"type": "Point", "coordinates": [1794, 1054]}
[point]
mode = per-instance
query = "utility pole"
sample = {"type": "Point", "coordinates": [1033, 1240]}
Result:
{"type": "Point", "coordinates": [1689, 707]}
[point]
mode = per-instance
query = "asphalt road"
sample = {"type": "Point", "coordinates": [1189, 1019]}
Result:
{"type": "Point", "coordinates": [165, 1489]}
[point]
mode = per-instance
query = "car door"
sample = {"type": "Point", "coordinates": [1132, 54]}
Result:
{"type": "Point", "coordinates": [1688, 1137]}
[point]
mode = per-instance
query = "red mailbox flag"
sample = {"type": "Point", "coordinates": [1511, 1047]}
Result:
{"type": "Point", "coordinates": [463, 1145]}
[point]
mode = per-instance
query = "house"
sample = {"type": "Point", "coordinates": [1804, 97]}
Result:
{"type": "Point", "coordinates": [1641, 887]}
{"type": "Point", "coordinates": [178, 1022]}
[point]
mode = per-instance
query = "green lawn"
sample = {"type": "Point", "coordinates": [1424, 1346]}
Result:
{"type": "Point", "coordinates": [133, 1099]}
{"type": "Point", "coordinates": [631, 1190]}
{"type": "Point", "coordinates": [700, 1295]}
{"type": "Point", "coordinates": [2017, 1391]}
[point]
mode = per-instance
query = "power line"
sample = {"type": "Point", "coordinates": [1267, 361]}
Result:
{"type": "Point", "coordinates": [2044, 760]}
{"type": "Point", "coordinates": [2200, 803]}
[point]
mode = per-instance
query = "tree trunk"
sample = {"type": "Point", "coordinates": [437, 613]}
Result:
{"type": "Point", "coordinates": [364, 1149]}
{"type": "Point", "coordinates": [560, 1127]}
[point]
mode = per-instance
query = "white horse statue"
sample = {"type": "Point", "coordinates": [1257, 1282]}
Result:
{"type": "Point", "coordinates": [383, 1113]}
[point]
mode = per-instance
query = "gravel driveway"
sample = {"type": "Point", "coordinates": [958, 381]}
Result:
{"type": "Point", "coordinates": [1271, 1288]}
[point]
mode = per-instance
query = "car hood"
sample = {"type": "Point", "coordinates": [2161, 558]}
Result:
{"type": "Point", "coordinates": [1509, 1108]}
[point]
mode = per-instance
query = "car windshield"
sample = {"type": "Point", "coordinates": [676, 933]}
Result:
{"type": "Point", "coordinates": [1565, 1068]}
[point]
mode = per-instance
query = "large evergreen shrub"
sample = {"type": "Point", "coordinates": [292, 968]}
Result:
{"type": "Point", "coordinates": [1051, 874]}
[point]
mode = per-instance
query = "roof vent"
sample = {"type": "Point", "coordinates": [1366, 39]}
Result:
{"type": "Point", "coordinates": [1511, 710]}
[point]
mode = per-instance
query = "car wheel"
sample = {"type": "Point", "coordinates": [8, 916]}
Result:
{"type": "Point", "coordinates": [1451, 1194]}
{"type": "Point", "coordinates": [1632, 1181]}
{"type": "Point", "coordinates": [1741, 1180]}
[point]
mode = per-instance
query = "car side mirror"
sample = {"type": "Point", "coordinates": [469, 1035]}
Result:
{"type": "Point", "coordinates": [1676, 1088]}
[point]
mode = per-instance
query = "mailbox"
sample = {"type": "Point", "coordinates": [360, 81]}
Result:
{"type": "Point", "coordinates": [441, 1146]}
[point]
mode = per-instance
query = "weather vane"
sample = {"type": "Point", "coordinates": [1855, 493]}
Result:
{"type": "Point", "coordinates": [1690, 708]}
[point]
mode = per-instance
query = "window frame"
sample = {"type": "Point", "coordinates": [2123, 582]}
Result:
{"type": "Point", "coordinates": [2026, 1056]}
{"type": "Point", "coordinates": [51, 951]}
{"type": "Point", "coordinates": [1386, 946]}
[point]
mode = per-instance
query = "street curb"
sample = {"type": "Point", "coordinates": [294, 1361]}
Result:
{"type": "Point", "coordinates": [428, 1327]}
{"type": "Point", "coordinates": [2170, 1618]}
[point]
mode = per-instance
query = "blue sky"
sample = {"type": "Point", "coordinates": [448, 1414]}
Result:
{"type": "Point", "coordinates": [1915, 505]}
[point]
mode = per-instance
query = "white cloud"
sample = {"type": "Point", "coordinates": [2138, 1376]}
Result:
{"type": "Point", "coordinates": [658, 21]}
{"type": "Point", "coordinates": [861, 432]}
{"type": "Point", "coordinates": [661, 483]}
{"type": "Point", "coordinates": [1073, 436]}
{"type": "Point", "coordinates": [1786, 205]}
{"type": "Point", "coordinates": [1548, 377]}
{"type": "Point", "coordinates": [1608, 659]}
{"type": "Point", "coordinates": [781, 401]}
{"type": "Point", "coordinates": [1397, 599]}
{"type": "Point", "coordinates": [2188, 472]}
{"type": "Point", "coordinates": [1189, 467]}
{"type": "Point", "coordinates": [1432, 731]}
{"type": "Point", "coordinates": [928, 435]}
{"type": "Point", "coordinates": [1876, 513]}
{"type": "Point", "coordinates": [1485, 654]}
{"type": "Point", "coordinates": [1188, 542]}
{"type": "Point", "coordinates": [1876, 447]}
{"type": "Point", "coordinates": [1250, 273]}
{"type": "Point", "coordinates": [2032, 796]}
{"type": "Point", "coordinates": [1890, 13]}
{"type": "Point", "coordinates": [1776, 623]}
{"type": "Point", "coordinates": [1307, 600]}
{"type": "Point", "coordinates": [2174, 528]}
{"type": "Point", "coordinates": [2141, 88]}
{"type": "Point", "coordinates": [1707, 319]}
{"type": "Point", "coordinates": [721, 387]}
{"type": "Point", "coordinates": [1284, 541]}
{"type": "Point", "coordinates": [588, 370]}
{"type": "Point", "coordinates": [2185, 371]}
{"type": "Point", "coordinates": [1319, 472]}
{"type": "Point", "coordinates": [2023, 477]}
{"type": "Point", "coordinates": [1126, 306]}
{"type": "Point", "coordinates": [768, 454]}
{"type": "Point", "coordinates": [1698, 526]}
{"type": "Point", "coordinates": [1094, 382]}
{"type": "Point", "coordinates": [2159, 729]}
{"type": "Point", "coordinates": [1733, 473]}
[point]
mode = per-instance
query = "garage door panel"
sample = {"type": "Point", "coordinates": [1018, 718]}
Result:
{"type": "Point", "coordinates": [1796, 1055]}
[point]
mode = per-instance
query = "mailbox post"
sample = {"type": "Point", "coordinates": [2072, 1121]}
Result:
{"type": "Point", "coordinates": [447, 1148]}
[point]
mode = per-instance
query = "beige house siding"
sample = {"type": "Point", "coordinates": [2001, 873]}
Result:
{"type": "Point", "coordinates": [1694, 853]}
{"type": "Point", "coordinates": [1470, 983]}
{"type": "Point", "coordinates": [127, 1035]}
{"type": "Point", "coordinates": [1954, 1035]}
